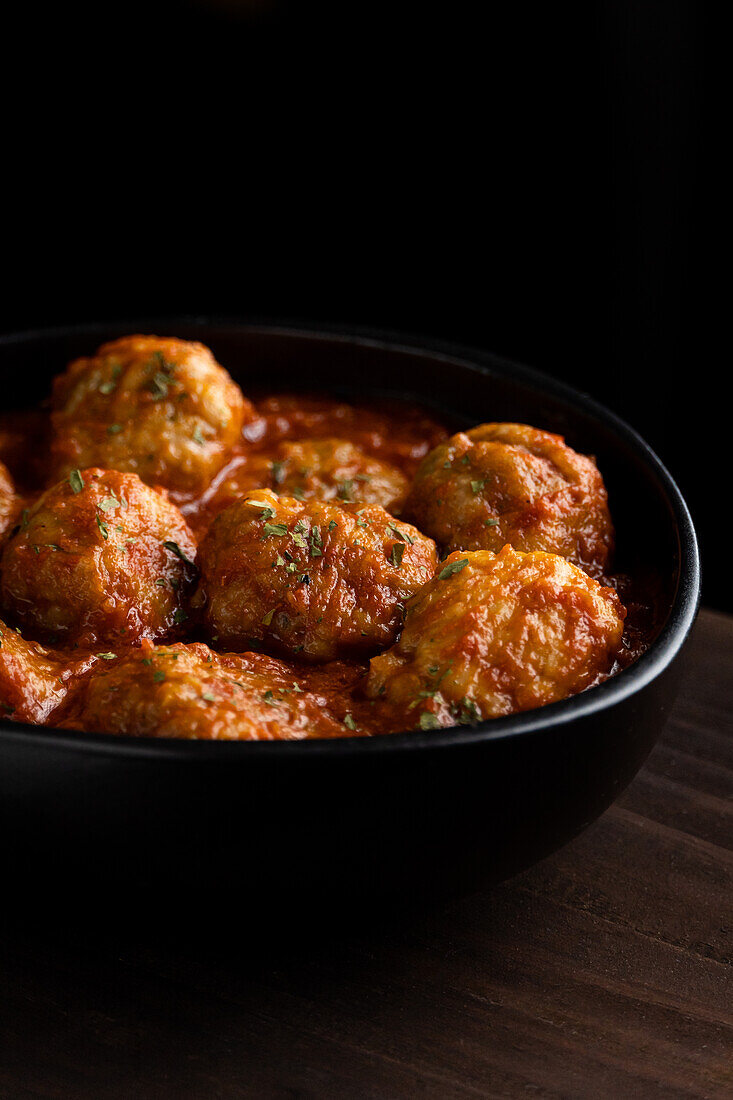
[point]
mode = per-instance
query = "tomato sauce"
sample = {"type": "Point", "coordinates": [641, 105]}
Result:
{"type": "Point", "coordinates": [393, 432]}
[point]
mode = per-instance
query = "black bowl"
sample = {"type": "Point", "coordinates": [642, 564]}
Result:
{"type": "Point", "coordinates": [411, 813]}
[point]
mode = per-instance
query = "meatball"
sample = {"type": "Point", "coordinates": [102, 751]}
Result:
{"type": "Point", "coordinates": [509, 483]}
{"type": "Point", "coordinates": [34, 683]}
{"type": "Point", "coordinates": [492, 634]}
{"type": "Point", "coordinates": [163, 409]}
{"type": "Point", "coordinates": [188, 691]}
{"type": "Point", "coordinates": [8, 500]}
{"type": "Point", "coordinates": [327, 469]}
{"type": "Point", "coordinates": [318, 579]}
{"type": "Point", "coordinates": [99, 557]}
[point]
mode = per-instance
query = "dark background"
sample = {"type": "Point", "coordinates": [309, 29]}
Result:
{"type": "Point", "coordinates": [536, 180]}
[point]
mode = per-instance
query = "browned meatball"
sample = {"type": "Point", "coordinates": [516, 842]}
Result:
{"type": "Point", "coordinates": [189, 691]}
{"type": "Point", "coordinates": [34, 682]}
{"type": "Point", "coordinates": [8, 501]}
{"type": "Point", "coordinates": [319, 579]}
{"type": "Point", "coordinates": [328, 469]}
{"type": "Point", "coordinates": [100, 557]}
{"type": "Point", "coordinates": [161, 408]}
{"type": "Point", "coordinates": [509, 483]}
{"type": "Point", "coordinates": [492, 634]}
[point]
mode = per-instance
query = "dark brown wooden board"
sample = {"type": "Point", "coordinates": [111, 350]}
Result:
{"type": "Point", "coordinates": [605, 971]}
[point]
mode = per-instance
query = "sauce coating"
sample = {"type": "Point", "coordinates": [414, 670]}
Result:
{"type": "Point", "coordinates": [251, 578]}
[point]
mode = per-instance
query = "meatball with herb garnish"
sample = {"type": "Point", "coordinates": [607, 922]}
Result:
{"type": "Point", "coordinates": [161, 408]}
{"type": "Point", "coordinates": [335, 469]}
{"type": "Point", "coordinates": [493, 634]}
{"type": "Point", "coordinates": [317, 579]}
{"type": "Point", "coordinates": [510, 483]}
{"type": "Point", "coordinates": [99, 557]}
{"type": "Point", "coordinates": [191, 692]}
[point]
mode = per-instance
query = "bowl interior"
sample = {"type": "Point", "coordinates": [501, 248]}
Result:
{"type": "Point", "coordinates": [654, 536]}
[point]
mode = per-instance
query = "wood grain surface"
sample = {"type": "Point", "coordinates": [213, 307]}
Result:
{"type": "Point", "coordinates": [605, 971]}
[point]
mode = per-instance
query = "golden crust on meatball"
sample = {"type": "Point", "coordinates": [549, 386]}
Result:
{"type": "Point", "coordinates": [318, 579]}
{"type": "Point", "coordinates": [335, 469]}
{"type": "Point", "coordinates": [493, 634]}
{"type": "Point", "coordinates": [161, 408]}
{"type": "Point", "coordinates": [34, 682]}
{"type": "Point", "coordinates": [510, 483]}
{"type": "Point", "coordinates": [188, 691]}
{"type": "Point", "coordinates": [99, 557]}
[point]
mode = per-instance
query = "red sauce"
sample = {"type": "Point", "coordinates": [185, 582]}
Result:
{"type": "Point", "coordinates": [396, 434]}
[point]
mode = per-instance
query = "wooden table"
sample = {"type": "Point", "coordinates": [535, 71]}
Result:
{"type": "Point", "coordinates": [603, 972]}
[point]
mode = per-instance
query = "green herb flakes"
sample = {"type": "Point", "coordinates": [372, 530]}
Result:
{"type": "Point", "coordinates": [159, 386]}
{"type": "Point", "coordinates": [403, 536]}
{"type": "Point", "coordinates": [428, 721]}
{"type": "Point", "coordinates": [396, 554]}
{"type": "Point", "coordinates": [275, 529]}
{"type": "Point", "coordinates": [175, 549]}
{"type": "Point", "coordinates": [76, 481]}
{"type": "Point", "coordinates": [452, 568]}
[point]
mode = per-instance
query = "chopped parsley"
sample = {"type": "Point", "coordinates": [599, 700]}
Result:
{"type": "Point", "coordinates": [159, 386]}
{"type": "Point", "coordinates": [396, 554]}
{"type": "Point", "coordinates": [428, 721]}
{"type": "Point", "coordinates": [276, 529]}
{"type": "Point", "coordinates": [175, 549]}
{"type": "Point", "coordinates": [403, 536]}
{"type": "Point", "coordinates": [451, 568]}
{"type": "Point", "coordinates": [315, 542]}
{"type": "Point", "coordinates": [349, 722]}
{"type": "Point", "coordinates": [109, 387]}
{"type": "Point", "coordinates": [76, 481]}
